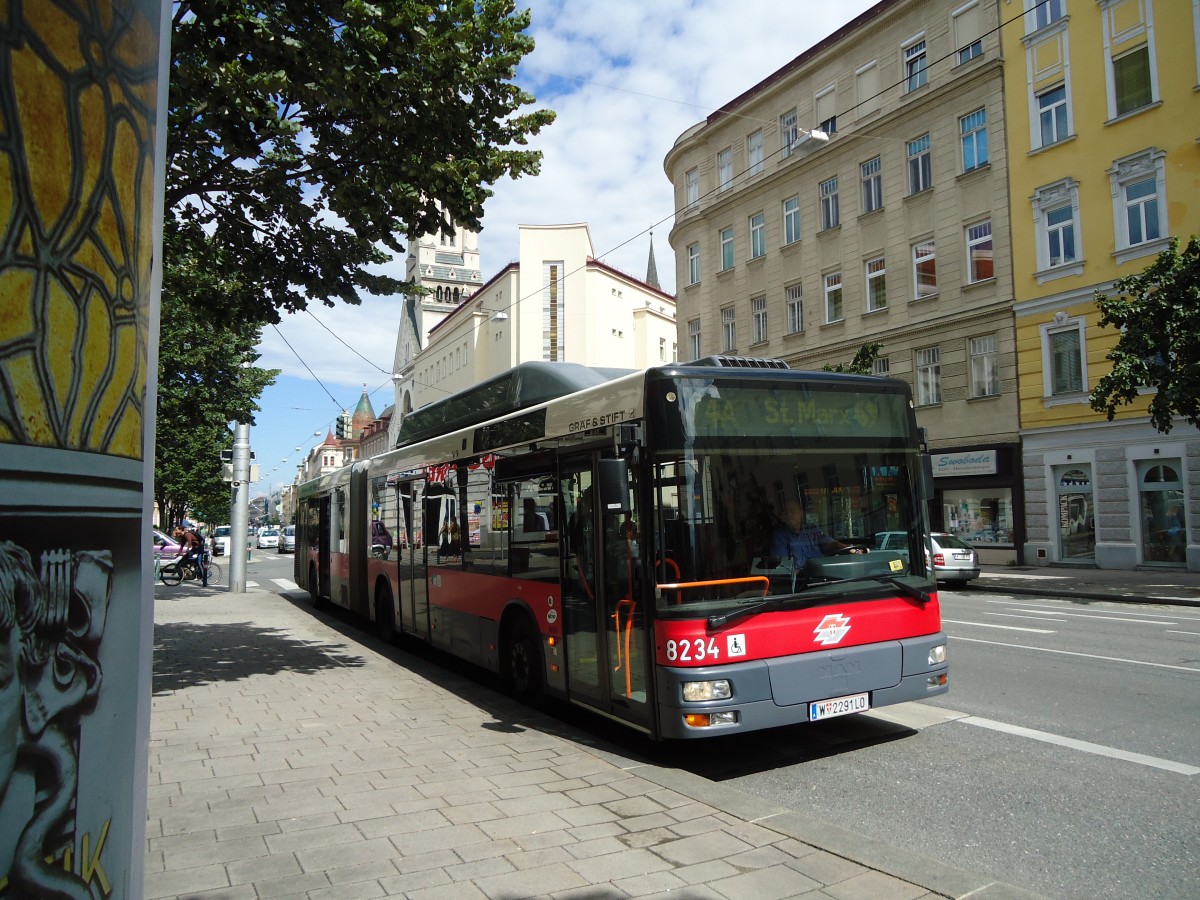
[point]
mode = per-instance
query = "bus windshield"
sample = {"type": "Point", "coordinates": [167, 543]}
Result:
{"type": "Point", "coordinates": [772, 493]}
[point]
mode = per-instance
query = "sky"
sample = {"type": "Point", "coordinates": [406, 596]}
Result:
{"type": "Point", "coordinates": [626, 78]}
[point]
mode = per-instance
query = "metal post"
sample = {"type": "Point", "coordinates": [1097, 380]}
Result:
{"type": "Point", "coordinates": [239, 516]}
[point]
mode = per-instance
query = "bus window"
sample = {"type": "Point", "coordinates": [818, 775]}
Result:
{"type": "Point", "coordinates": [534, 544]}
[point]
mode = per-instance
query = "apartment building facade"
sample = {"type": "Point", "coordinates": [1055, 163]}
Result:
{"type": "Point", "coordinates": [859, 194]}
{"type": "Point", "coordinates": [1103, 124]}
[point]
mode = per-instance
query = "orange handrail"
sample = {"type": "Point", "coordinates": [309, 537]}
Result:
{"type": "Point", "coordinates": [766, 583]}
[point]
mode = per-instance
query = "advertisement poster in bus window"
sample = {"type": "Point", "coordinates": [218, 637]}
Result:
{"type": "Point", "coordinates": [79, 167]}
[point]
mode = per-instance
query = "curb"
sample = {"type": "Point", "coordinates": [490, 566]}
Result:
{"type": "Point", "coordinates": [1084, 594]}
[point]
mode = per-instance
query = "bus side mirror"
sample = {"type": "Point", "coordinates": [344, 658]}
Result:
{"type": "Point", "coordinates": [613, 482]}
{"type": "Point", "coordinates": [926, 477]}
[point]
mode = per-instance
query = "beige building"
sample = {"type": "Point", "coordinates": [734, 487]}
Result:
{"type": "Point", "coordinates": [557, 302]}
{"type": "Point", "coordinates": [859, 194]}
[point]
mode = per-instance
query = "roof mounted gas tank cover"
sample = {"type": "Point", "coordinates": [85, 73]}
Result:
{"type": "Point", "coordinates": [740, 362]}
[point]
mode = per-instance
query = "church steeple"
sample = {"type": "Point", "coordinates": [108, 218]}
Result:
{"type": "Point", "coordinates": [651, 268]}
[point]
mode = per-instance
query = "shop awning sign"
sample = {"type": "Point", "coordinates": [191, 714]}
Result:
{"type": "Point", "coordinates": [967, 462]}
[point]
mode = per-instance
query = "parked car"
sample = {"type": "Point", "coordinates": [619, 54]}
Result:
{"type": "Point", "coordinates": [165, 546]}
{"type": "Point", "coordinates": [220, 540]}
{"type": "Point", "coordinates": [954, 560]}
{"type": "Point", "coordinates": [268, 539]}
{"type": "Point", "coordinates": [287, 539]}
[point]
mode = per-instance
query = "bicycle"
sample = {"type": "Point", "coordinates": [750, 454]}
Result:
{"type": "Point", "coordinates": [183, 568]}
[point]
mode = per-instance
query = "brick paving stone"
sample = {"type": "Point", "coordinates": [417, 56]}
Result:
{"type": "Point", "coordinates": [658, 821]}
{"type": "Point", "coordinates": [202, 853]}
{"type": "Point", "coordinates": [362, 890]}
{"type": "Point", "coordinates": [368, 871]}
{"type": "Point", "coordinates": [480, 868]}
{"type": "Point", "coordinates": [595, 794]}
{"type": "Point", "coordinates": [539, 839]}
{"type": "Point", "coordinates": [327, 836]}
{"type": "Point", "coordinates": [651, 838]}
{"type": "Point", "coordinates": [615, 866]}
{"type": "Point", "coordinates": [706, 872]}
{"type": "Point", "coordinates": [633, 806]}
{"type": "Point", "coordinates": [420, 820]}
{"type": "Point", "coordinates": [599, 892]}
{"type": "Point", "coordinates": [711, 845]}
{"type": "Point", "coordinates": [472, 812]}
{"type": "Point", "coordinates": [448, 838]}
{"type": "Point", "coordinates": [185, 881]}
{"type": "Point", "coordinates": [523, 825]}
{"type": "Point", "coordinates": [488, 850]}
{"type": "Point", "coordinates": [263, 868]}
{"type": "Point", "coordinates": [765, 884]}
{"type": "Point", "coordinates": [416, 863]}
{"type": "Point", "coordinates": [447, 892]}
{"type": "Point", "coordinates": [654, 883]}
{"type": "Point", "coordinates": [318, 858]}
{"type": "Point", "coordinates": [532, 882]}
{"type": "Point", "coordinates": [873, 885]}
{"type": "Point", "coordinates": [595, 847]}
{"type": "Point", "coordinates": [535, 804]}
{"type": "Point", "coordinates": [296, 884]}
{"type": "Point", "coordinates": [588, 815]}
{"type": "Point", "coordinates": [541, 856]}
{"type": "Point", "coordinates": [825, 867]}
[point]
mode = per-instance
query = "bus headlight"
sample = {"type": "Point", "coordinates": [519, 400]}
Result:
{"type": "Point", "coordinates": [937, 655]}
{"type": "Point", "coordinates": [707, 690]}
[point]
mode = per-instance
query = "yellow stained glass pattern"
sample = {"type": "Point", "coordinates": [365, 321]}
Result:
{"type": "Point", "coordinates": [77, 142]}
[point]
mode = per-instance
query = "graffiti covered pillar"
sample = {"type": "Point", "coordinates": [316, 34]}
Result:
{"type": "Point", "coordinates": [82, 97]}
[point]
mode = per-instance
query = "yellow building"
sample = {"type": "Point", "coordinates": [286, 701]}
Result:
{"type": "Point", "coordinates": [1103, 118]}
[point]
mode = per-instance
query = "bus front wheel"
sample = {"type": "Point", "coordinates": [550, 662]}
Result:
{"type": "Point", "coordinates": [523, 663]}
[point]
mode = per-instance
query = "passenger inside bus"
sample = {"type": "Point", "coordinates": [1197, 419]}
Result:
{"type": "Point", "coordinates": [531, 519]}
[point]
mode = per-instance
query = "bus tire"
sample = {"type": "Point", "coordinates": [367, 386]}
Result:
{"type": "Point", "coordinates": [523, 664]}
{"type": "Point", "coordinates": [385, 614]}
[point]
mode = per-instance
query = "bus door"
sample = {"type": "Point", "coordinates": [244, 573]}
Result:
{"type": "Point", "coordinates": [324, 539]}
{"type": "Point", "coordinates": [608, 653]}
{"type": "Point", "coordinates": [414, 595]}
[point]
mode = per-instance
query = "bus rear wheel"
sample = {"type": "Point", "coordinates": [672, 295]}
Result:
{"type": "Point", "coordinates": [523, 662]}
{"type": "Point", "coordinates": [385, 615]}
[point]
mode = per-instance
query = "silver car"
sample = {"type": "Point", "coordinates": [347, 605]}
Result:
{"type": "Point", "coordinates": [287, 539]}
{"type": "Point", "coordinates": [954, 560]}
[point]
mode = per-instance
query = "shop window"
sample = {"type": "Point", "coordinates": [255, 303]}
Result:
{"type": "Point", "coordinates": [979, 516]}
{"type": "Point", "coordinates": [1164, 527]}
{"type": "Point", "coordinates": [1076, 514]}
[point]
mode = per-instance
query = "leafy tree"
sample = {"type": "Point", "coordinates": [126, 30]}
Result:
{"type": "Point", "coordinates": [206, 379]}
{"type": "Point", "coordinates": [863, 362]}
{"type": "Point", "coordinates": [1158, 312]}
{"type": "Point", "coordinates": [307, 138]}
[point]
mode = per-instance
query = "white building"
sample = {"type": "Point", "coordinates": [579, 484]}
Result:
{"type": "Point", "coordinates": [558, 303]}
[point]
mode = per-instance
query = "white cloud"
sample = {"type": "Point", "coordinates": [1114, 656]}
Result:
{"type": "Point", "coordinates": [626, 79]}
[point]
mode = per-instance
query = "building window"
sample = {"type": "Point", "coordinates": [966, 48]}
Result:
{"type": "Point", "coordinates": [915, 74]}
{"type": "Point", "coordinates": [758, 236]}
{"type": "Point", "coordinates": [1052, 115]}
{"type": "Point", "coordinates": [693, 256]}
{"type": "Point", "coordinates": [979, 253]}
{"type": "Point", "coordinates": [553, 304]}
{"type": "Point", "coordinates": [830, 215]}
{"type": "Point", "coordinates": [872, 185]}
{"type": "Point", "coordinates": [725, 169]}
{"type": "Point", "coordinates": [694, 337]}
{"type": "Point", "coordinates": [827, 110]}
{"type": "Point", "coordinates": [789, 132]}
{"type": "Point", "coordinates": [728, 329]}
{"type": "Point", "coordinates": [929, 376]}
{"type": "Point", "coordinates": [1060, 235]}
{"type": "Point", "coordinates": [692, 187]}
{"type": "Point", "coordinates": [985, 372]}
{"type": "Point", "coordinates": [924, 270]}
{"type": "Point", "coordinates": [920, 165]}
{"type": "Point", "coordinates": [1139, 203]}
{"type": "Point", "coordinates": [880, 365]}
{"type": "Point", "coordinates": [972, 130]}
{"type": "Point", "coordinates": [1046, 12]}
{"type": "Point", "coordinates": [791, 219]}
{"type": "Point", "coordinates": [754, 153]}
{"type": "Point", "coordinates": [866, 89]}
{"type": "Point", "coordinates": [758, 318]}
{"type": "Point", "coordinates": [794, 295]}
{"type": "Point", "coordinates": [876, 284]}
{"type": "Point", "coordinates": [1065, 372]}
{"type": "Point", "coordinates": [833, 297]}
{"type": "Point", "coordinates": [1131, 80]}
{"type": "Point", "coordinates": [968, 31]}
{"type": "Point", "coordinates": [726, 236]}
{"type": "Point", "coordinates": [1056, 220]}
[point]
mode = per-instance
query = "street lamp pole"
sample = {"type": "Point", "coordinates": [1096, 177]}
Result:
{"type": "Point", "coordinates": [240, 514]}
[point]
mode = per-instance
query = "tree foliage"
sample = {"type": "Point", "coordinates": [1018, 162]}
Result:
{"type": "Point", "coordinates": [863, 362]}
{"type": "Point", "coordinates": [1158, 312]}
{"type": "Point", "coordinates": [308, 138]}
{"type": "Point", "coordinates": [206, 379]}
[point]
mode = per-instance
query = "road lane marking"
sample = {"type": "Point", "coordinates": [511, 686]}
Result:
{"type": "Point", "coordinates": [1135, 662]}
{"type": "Point", "coordinates": [1193, 633]}
{"type": "Point", "coordinates": [1016, 575]}
{"type": "Point", "coordinates": [251, 584]}
{"type": "Point", "coordinates": [1084, 746]}
{"type": "Point", "coordinates": [1105, 618]}
{"type": "Point", "coordinates": [1005, 627]}
{"type": "Point", "coordinates": [285, 584]}
{"type": "Point", "coordinates": [1176, 613]}
{"type": "Point", "coordinates": [1014, 616]}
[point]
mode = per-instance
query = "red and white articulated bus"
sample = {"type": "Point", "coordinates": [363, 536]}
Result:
{"type": "Point", "coordinates": [610, 538]}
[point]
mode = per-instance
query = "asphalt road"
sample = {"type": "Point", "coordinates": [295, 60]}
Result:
{"type": "Point", "coordinates": [1065, 758]}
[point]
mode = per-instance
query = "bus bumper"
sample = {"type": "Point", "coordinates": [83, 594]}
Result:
{"type": "Point", "coordinates": [768, 693]}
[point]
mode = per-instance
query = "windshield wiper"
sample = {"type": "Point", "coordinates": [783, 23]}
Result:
{"type": "Point", "coordinates": [908, 590]}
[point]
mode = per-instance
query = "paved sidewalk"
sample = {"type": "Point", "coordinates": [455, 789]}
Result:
{"type": "Point", "coordinates": [290, 759]}
{"type": "Point", "coordinates": [1161, 586]}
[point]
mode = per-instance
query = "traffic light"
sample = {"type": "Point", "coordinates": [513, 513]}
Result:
{"type": "Point", "coordinates": [344, 426]}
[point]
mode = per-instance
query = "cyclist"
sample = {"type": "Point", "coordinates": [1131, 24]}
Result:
{"type": "Point", "coordinates": [193, 549]}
